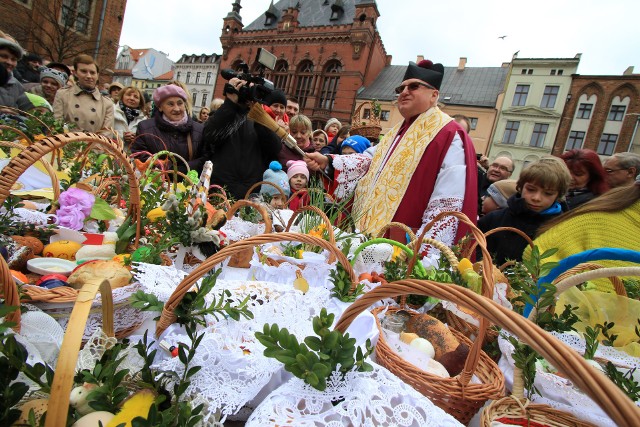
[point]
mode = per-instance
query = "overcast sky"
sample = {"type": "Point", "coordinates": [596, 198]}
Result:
{"type": "Point", "coordinates": [607, 33]}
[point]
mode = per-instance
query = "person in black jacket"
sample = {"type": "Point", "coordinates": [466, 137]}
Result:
{"type": "Point", "coordinates": [239, 148]}
{"type": "Point", "coordinates": [170, 129]}
{"type": "Point", "coordinates": [541, 187]}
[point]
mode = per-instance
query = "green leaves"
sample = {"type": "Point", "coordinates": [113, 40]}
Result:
{"type": "Point", "coordinates": [342, 285]}
{"type": "Point", "coordinates": [625, 382]}
{"type": "Point", "coordinates": [101, 210]}
{"type": "Point", "coordinates": [317, 357]}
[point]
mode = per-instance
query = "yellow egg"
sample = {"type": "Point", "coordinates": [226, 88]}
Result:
{"type": "Point", "coordinates": [92, 419]}
{"type": "Point", "coordinates": [121, 258]}
{"type": "Point", "coordinates": [155, 214]}
{"type": "Point", "coordinates": [65, 249]}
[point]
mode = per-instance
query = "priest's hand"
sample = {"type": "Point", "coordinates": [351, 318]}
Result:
{"type": "Point", "coordinates": [316, 161]}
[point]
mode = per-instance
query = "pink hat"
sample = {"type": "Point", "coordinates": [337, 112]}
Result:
{"type": "Point", "coordinates": [295, 167]}
{"type": "Point", "coordinates": [164, 92]}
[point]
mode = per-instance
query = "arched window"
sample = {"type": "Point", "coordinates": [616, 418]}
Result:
{"type": "Point", "coordinates": [305, 82]}
{"type": "Point", "coordinates": [330, 80]}
{"type": "Point", "coordinates": [280, 75]}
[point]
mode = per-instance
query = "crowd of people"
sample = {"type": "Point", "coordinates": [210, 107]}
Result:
{"type": "Point", "coordinates": [424, 165]}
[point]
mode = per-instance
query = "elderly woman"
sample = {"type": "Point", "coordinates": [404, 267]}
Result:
{"type": "Point", "coordinates": [170, 129]}
{"type": "Point", "coordinates": [128, 113]}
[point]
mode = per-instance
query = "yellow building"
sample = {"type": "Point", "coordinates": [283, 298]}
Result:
{"type": "Point", "coordinates": [475, 92]}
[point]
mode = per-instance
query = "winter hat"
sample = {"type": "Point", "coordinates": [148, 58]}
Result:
{"type": "Point", "coordinates": [115, 84]}
{"type": "Point", "coordinates": [426, 71]}
{"type": "Point", "coordinates": [164, 92]}
{"type": "Point", "coordinates": [500, 191]}
{"type": "Point", "coordinates": [56, 75]}
{"type": "Point", "coordinates": [12, 46]}
{"type": "Point", "coordinates": [60, 67]}
{"type": "Point", "coordinates": [332, 121]}
{"type": "Point", "coordinates": [276, 97]}
{"type": "Point", "coordinates": [32, 57]}
{"type": "Point", "coordinates": [295, 167]}
{"type": "Point", "coordinates": [38, 101]}
{"type": "Point", "coordinates": [326, 137]}
{"type": "Point", "coordinates": [358, 142]}
{"type": "Point", "coordinates": [276, 175]}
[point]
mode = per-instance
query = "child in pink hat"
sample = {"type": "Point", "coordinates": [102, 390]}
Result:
{"type": "Point", "coordinates": [298, 175]}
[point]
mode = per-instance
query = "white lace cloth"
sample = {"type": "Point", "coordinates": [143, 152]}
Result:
{"type": "Point", "coordinates": [235, 376]}
{"type": "Point", "coordinates": [376, 398]}
{"type": "Point", "coordinates": [124, 317]}
{"type": "Point", "coordinates": [347, 167]}
{"type": "Point", "coordinates": [559, 392]}
{"type": "Point", "coordinates": [237, 229]}
{"type": "Point", "coordinates": [30, 216]}
{"type": "Point", "coordinates": [316, 268]}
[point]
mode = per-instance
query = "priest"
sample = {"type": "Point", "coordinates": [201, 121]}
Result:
{"type": "Point", "coordinates": [425, 165]}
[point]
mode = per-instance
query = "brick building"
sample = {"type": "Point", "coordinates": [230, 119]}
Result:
{"type": "Point", "coordinates": [59, 30]}
{"type": "Point", "coordinates": [602, 114]}
{"type": "Point", "coordinates": [326, 49]}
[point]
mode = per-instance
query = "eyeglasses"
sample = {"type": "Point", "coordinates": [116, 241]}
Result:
{"type": "Point", "coordinates": [501, 167]}
{"type": "Point", "coordinates": [412, 86]}
{"type": "Point", "coordinates": [610, 171]}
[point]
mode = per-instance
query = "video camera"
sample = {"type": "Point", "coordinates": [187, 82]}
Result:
{"type": "Point", "coordinates": [257, 87]}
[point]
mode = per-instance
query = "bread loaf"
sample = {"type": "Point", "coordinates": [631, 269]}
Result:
{"type": "Point", "coordinates": [453, 361]}
{"type": "Point", "coordinates": [117, 274]}
{"type": "Point", "coordinates": [434, 331]}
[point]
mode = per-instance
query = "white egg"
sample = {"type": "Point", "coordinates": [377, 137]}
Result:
{"type": "Point", "coordinates": [424, 346]}
{"type": "Point", "coordinates": [93, 419]}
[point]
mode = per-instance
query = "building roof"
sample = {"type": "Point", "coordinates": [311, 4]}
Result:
{"type": "Point", "coordinates": [311, 13]}
{"type": "Point", "coordinates": [198, 59]}
{"type": "Point", "coordinates": [474, 86]}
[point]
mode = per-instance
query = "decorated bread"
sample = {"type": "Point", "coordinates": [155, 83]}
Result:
{"type": "Point", "coordinates": [117, 275]}
{"type": "Point", "coordinates": [436, 332]}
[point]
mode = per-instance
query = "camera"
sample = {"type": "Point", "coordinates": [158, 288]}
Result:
{"type": "Point", "coordinates": [257, 87]}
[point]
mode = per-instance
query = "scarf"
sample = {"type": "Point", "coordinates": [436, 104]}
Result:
{"type": "Point", "coordinates": [89, 91]}
{"type": "Point", "coordinates": [382, 189]}
{"type": "Point", "coordinates": [554, 209]}
{"type": "Point", "coordinates": [129, 113]}
{"type": "Point", "coordinates": [182, 121]}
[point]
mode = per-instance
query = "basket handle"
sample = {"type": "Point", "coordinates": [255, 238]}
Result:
{"type": "Point", "coordinates": [168, 317]}
{"type": "Point", "coordinates": [11, 294]}
{"type": "Point", "coordinates": [55, 182]}
{"type": "Point", "coordinates": [38, 149]}
{"type": "Point", "coordinates": [325, 220]}
{"type": "Point", "coordinates": [470, 250]}
{"type": "Point", "coordinates": [597, 386]}
{"type": "Point", "coordinates": [268, 226]}
{"type": "Point", "coordinates": [599, 273]}
{"type": "Point", "coordinates": [259, 183]}
{"type": "Point", "coordinates": [68, 357]}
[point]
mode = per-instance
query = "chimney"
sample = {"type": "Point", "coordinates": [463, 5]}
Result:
{"type": "Point", "coordinates": [419, 58]}
{"type": "Point", "coordinates": [462, 63]}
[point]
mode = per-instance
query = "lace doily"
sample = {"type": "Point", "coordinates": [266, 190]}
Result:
{"type": "Point", "coordinates": [376, 398]}
{"type": "Point", "coordinates": [158, 280]}
{"type": "Point", "coordinates": [238, 229]}
{"type": "Point", "coordinates": [348, 167]}
{"type": "Point", "coordinates": [556, 391]}
{"type": "Point", "coordinates": [372, 258]}
{"type": "Point", "coordinates": [30, 216]}
{"type": "Point", "coordinates": [125, 317]}
{"type": "Point", "coordinates": [444, 230]}
{"type": "Point", "coordinates": [98, 343]}
{"type": "Point", "coordinates": [44, 333]}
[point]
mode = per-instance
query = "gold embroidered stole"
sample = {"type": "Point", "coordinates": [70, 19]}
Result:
{"type": "Point", "coordinates": [381, 190]}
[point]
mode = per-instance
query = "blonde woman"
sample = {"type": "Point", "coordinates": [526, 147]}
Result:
{"type": "Point", "coordinates": [128, 113]}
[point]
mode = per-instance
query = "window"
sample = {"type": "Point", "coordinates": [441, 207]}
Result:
{"type": "Point", "coordinates": [560, 72]}
{"type": "Point", "coordinates": [330, 80]}
{"type": "Point", "coordinates": [530, 71]}
{"type": "Point", "coordinates": [553, 72]}
{"type": "Point", "coordinates": [584, 111]}
{"type": "Point", "coordinates": [510, 132]}
{"type": "Point", "coordinates": [524, 71]}
{"type": "Point", "coordinates": [616, 113]}
{"type": "Point", "coordinates": [193, 98]}
{"type": "Point", "coordinates": [280, 75]}
{"type": "Point", "coordinates": [607, 144]}
{"type": "Point", "coordinates": [538, 135]}
{"type": "Point", "coordinates": [575, 140]}
{"type": "Point", "coordinates": [198, 77]}
{"type": "Point", "coordinates": [208, 80]}
{"type": "Point", "coordinates": [473, 122]}
{"type": "Point", "coordinates": [366, 114]}
{"type": "Point", "coordinates": [549, 97]}
{"type": "Point", "coordinates": [203, 103]}
{"type": "Point", "coordinates": [520, 97]}
{"type": "Point", "coordinates": [188, 77]}
{"type": "Point", "coordinates": [305, 81]}
{"type": "Point", "coordinates": [384, 115]}
{"type": "Point", "coordinates": [75, 14]}
{"type": "Point", "coordinates": [178, 76]}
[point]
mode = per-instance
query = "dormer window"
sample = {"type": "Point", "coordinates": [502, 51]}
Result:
{"type": "Point", "coordinates": [337, 10]}
{"type": "Point", "coordinates": [268, 21]}
{"type": "Point", "coordinates": [271, 15]}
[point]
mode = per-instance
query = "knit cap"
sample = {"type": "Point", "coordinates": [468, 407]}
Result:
{"type": "Point", "coordinates": [276, 175]}
{"type": "Point", "coordinates": [295, 167]}
{"type": "Point", "coordinates": [276, 97]}
{"type": "Point", "coordinates": [358, 142]}
{"type": "Point", "coordinates": [332, 121]}
{"type": "Point", "coordinates": [56, 75]}
{"type": "Point", "coordinates": [500, 191]}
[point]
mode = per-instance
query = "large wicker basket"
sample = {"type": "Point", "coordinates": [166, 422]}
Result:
{"type": "Point", "coordinates": [242, 259]}
{"type": "Point", "coordinates": [611, 399]}
{"type": "Point", "coordinates": [61, 300]}
{"type": "Point", "coordinates": [371, 129]}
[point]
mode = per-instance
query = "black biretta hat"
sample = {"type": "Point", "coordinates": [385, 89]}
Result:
{"type": "Point", "coordinates": [426, 71]}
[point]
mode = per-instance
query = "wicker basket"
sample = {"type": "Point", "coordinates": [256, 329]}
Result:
{"type": "Point", "coordinates": [612, 400]}
{"type": "Point", "coordinates": [358, 127]}
{"type": "Point", "coordinates": [241, 259]}
{"type": "Point", "coordinates": [10, 294]}
{"type": "Point", "coordinates": [259, 183]}
{"type": "Point", "coordinates": [168, 317]}
{"type": "Point", "coordinates": [518, 407]}
{"type": "Point", "coordinates": [61, 299]}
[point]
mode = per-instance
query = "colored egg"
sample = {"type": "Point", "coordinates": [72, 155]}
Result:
{"type": "Point", "coordinates": [64, 249]}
